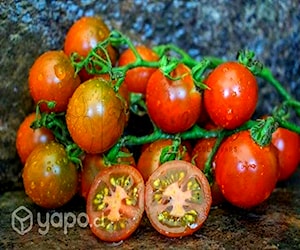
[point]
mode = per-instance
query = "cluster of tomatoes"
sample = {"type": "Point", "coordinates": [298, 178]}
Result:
{"type": "Point", "coordinates": [200, 152]}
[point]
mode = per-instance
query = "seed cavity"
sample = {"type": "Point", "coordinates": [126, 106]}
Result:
{"type": "Point", "coordinates": [109, 201]}
{"type": "Point", "coordinates": [176, 193]}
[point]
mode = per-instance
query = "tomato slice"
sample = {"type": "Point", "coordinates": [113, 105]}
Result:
{"type": "Point", "coordinates": [115, 203]}
{"type": "Point", "coordinates": [177, 198]}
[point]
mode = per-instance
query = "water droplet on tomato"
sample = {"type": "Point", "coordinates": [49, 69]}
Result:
{"type": "Point", "coordinates": [225, 69]}
{"type": "Point", "coordinates": [40, 77]}
{"type": "Point", "coordinates": [229, 115]}
{"type": "Point", "coordinates": [101, 34]}
{"type": "Point", "coordinates": [59, 71]}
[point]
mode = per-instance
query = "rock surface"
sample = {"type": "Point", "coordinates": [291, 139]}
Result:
{"type": "Point", "coordinates": [275, 224]}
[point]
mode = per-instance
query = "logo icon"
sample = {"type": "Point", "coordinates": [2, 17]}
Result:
{"type": "Point", "coordinates": [22, 220]}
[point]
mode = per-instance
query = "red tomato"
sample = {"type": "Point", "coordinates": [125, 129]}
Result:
{"type": "Point", "coordinates": [96, 116]}
{"type": "Point", "coordinates": [84, 35]}
{"type": "Point", "coordinates": [27, 138]}
{"type": "Point", "coordinates": [288, 144]}
{"type": "Point", "coordinates": [177, 198]}
{"type": "Point", "coordinates": [173, 105]}
{"type": "Point", "coordinates": [93, 164]}
{"type": "Point", "coordinates": [149, 159]}
{"type": "Point", "coordinates": [232, 95]}
{"type": "Point", "coordinates": [52, 78]}
{"type": "Point", "coordinates": [115, 203]}
{"type": "Point", "coordinates": [136, 79]}
{"type": "Point", "coordinates": [200, 154]}
{"type": "Point", "coordinates": [245, 172]}
{"type": "Point", "coordinates": [50, 178]}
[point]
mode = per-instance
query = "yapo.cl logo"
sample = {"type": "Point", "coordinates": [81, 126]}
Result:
{"type": "Point", "coordinates": [22, 220]}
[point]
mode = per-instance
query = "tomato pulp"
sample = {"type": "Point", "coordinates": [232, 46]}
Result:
{"type": "Point", "coordinates": [115, 203]}
{"type": "Point", "coordinates": [178, 198]}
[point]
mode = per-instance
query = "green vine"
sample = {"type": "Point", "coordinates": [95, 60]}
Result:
{"type": "Point", "coordinates": [169, 57]}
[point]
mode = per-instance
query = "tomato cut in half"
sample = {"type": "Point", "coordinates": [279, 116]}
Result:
{"type": "Point", "coordinates": [115, 203]}
{"type": "Point", "coordinates": [177, 198]}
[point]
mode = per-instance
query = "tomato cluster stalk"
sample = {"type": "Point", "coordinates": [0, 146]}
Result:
{"type": "Point", "coordinates": [170, 56]}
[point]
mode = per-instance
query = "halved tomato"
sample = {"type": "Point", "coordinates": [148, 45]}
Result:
{"type": "Point", "coordinates": [177, 198]}
{"type": "Point", "coordinates": [115, 203]}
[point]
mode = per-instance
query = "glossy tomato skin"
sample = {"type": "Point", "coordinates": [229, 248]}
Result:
{"type": "Point", "coordinates": [136, 79]}
{"type": "Point", "coordinates": [246, 172]}
{"type": "Point", "coordinates": [84, 35]}
{"type": "Point", "coordinates": [52, 78]}
{"type": "Point", "coordinates": [123, 92]}
{"type": "Point", "coordinates": [149, 159]}
{"type": "Point", "coordinates": [288, 143]}
{"type": "Point", "coordinates": [200, 154]}
{"type": "Point", "coordinates": [177, 198]}
{"type": "Point", "coordinates": [92, 164]}
{"type": "Point", "coordinates": [115, 203]}
{"type": "Point", "coordinates": [232, 95]}
{"type": "Point", "coordinates": [50, 178]}
{"type": "Point", "coordinates": [96, 116]}
{"type": "Point", "coordinates": [27, 138]}
{"type": "Point", "coordinates": [173, 105]}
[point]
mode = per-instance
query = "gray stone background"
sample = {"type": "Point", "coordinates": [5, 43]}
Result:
{"type": "Point", "coordinates": [207, 27]}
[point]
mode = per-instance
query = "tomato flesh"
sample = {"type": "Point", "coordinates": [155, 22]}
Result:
{"type": "Point", "coordinates": [178, 198]}
{"type": "Point", "coordinates": [115, 203]}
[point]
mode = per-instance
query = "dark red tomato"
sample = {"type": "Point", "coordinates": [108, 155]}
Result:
{"type": "Point", "coordinates": [232, 95]}
{"type": "Point", "coordinates": [246, 172]}
{"type": "Point", "coordinates": [96, 116]}
{"type": "Point", "coordinates": [288, 143]}
{"type": "Point", "coordinates": [177, 198]}
{"type": "Point", "coordinates": [27, 138]}
{"type": "Point", "coordinates": [115, 203]}
{"type": "Point", "coordinates": [173, 105]}
{"type": "Point", "coordinates": [200, 154]}
{"type": "Point", "coordinates": [52, 78]}
{"type": "Point", "coordinates": [149, 159]}
{"type": "Point", "coordinates": [50, 178]}
{"type": "Point", "coordinates": [84, 35]}
{"type": "Point", "coordinates": [136, 79]}
{"type": "Point", "coordinates": [93, 164]}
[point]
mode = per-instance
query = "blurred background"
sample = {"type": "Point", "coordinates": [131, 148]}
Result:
{"type": "Point", "coordinates": [214, 27]}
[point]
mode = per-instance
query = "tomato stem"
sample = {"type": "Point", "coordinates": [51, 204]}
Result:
{"type": "Point", "coordinates": [208, 170]}
{"type": "Point", "coordinates": [170, 56]}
